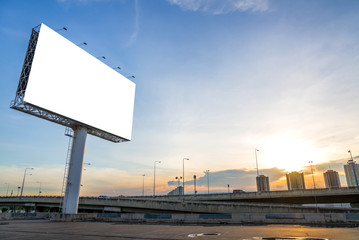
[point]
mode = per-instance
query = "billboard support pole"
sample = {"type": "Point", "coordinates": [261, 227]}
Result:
{"type": "Point", "coordinates": [71, 199]}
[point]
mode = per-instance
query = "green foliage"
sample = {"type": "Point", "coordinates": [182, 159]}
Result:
{"type": "Point", "coordinates": [4, 209]}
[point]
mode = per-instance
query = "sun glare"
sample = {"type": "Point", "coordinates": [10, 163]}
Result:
{"type": "Point", "coordinates": [289, 153]}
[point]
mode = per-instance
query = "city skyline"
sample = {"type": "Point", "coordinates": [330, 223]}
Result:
{"type": "Point", "coordinates": [215, 80]}
{"type": "Point", "coordinates": [244, 179]}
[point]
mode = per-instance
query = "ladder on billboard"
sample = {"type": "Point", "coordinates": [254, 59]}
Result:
{"type": "Point", "coordinates": [69, 133]}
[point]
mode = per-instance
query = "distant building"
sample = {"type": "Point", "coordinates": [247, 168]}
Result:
{"type": "Point", "coordinates": [331, 179]}
{"type": "Point", "coordinates": [352, 173]}
{"type": "Point", "coordinates": [262, 183]}
{"type": "Point", "coordinates": [295, 181]}
{"type": "Point", "coordinates": [176, 191]}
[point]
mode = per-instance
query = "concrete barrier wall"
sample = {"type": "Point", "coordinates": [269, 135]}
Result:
{"type": "Point", "coordinates": [342, 219]}
{"type": "Point", "coordinates": [35, 215]}
{"type": "Point", "coordinates": [235, 218]}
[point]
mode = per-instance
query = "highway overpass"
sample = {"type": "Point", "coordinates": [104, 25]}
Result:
{"type": "Point", "coordinates": [306, 196]}
{"type": "Point", "coordinates": [162, 205]}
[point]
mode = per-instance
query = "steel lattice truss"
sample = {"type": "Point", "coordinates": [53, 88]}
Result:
{"type": "Point", "coordinates": [20, 105]}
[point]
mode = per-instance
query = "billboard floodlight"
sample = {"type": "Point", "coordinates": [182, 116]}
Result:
{"type": "Point", "coordinates": [82, 44]}
{"type": "Point", "coordinates": [64, 28]}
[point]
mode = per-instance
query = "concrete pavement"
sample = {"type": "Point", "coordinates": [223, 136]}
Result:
{"type": "Point", "coordinates": [43, 229]}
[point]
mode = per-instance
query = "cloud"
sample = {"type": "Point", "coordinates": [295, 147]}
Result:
{"type": "Point", "coordinates": [136, 27]}
{"type": "Point", "coordinates": [218, 7]}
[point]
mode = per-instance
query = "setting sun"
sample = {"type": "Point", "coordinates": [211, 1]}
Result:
{"type": "Point", "coordinates": [289, 153]}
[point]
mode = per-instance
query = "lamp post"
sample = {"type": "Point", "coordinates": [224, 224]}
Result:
{"type": "Point", "coordinates": [228, 188]}
{"type": "Point", "coordinates": [23, 181]}
{"type": "Point", "coordinates": [351, 157]}
{"type": "Point", "coordinates": [311, 167]}
{"type": "Point", "coordinates": [315, 196]}
{"type": "Point", "coordinates": [207, 173]}
{"type": "Point", "coordinates": [154, 177]}
{"type": "Point", "coordinates": [183, 173]}
{"type": "Point", "coordinates": [178, 185]}
{"type": "Point", "coordinates": [88, 164]}
{"type": "Point", "coordinates": [7, 190]}
{"type": "Point", "coordinates": [39, 188]}
{"type": "Point", "coordinates": [178, 180]}
{"type": "Point", "coordinates": [18, 189]}
{"type": "Point", "coordinates": [194, 184]}
{"type": "Point", "coordinates": [143, 184]}
{"type": "Point", "coordinates": [255, 152]}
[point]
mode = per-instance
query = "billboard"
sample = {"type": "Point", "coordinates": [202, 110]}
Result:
{"type": "Point", "coordinates": [68, 83]}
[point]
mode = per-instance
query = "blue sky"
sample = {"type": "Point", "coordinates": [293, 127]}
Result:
{"type": "Point", "coordinates": [215, 80]}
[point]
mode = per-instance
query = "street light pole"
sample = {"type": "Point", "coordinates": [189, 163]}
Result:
{"type": "Point", "coordinates": [154, 177]}
{"type": "Point", "coordinates": [143, 184]}
{"type": "Point", "coordinates": [7, 190]}
{"type": "Point", "coordinates": [178, 180]}
{"type": "Point", "coordinates": [315, 196]}
{"type": "Point", "coordinates": [351, 157]}
{"type": "Point", "coordinates": [23, 181]}
{"type": "Point", "coordinates": [311, 167]}
{"type": "Point", "coordinates": [207, 173]}
{"type": "Point", "coordinates": [183, 172]}
{"type": "Point", "coordinates": [39, 188]}
{"type": "Point", "coordinates": [194, 181]}
{"type": "Point", "coordinates": [88, 164]}
{"type": "Point", "coordinates": [255, 152]}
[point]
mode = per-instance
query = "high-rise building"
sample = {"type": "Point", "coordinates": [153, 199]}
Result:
{"type": "Point", "coordinates": [295, 181]}
{"type": "Point", "coordinates": [352, 173]}
{"type": "Point", "coordinates": [331, 179]}
{"type": "Point", "coordinates": [262, 183]}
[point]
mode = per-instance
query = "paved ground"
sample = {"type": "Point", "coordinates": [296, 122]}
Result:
{"type": "Point", "coordinates": [43, 229]}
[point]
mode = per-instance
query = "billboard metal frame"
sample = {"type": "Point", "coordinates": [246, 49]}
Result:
{"type": "Point", "coordinates": [20, 105]}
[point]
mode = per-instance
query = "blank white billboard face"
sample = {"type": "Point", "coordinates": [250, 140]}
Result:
{"type": "Point", "coordinates": [68, 81]}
